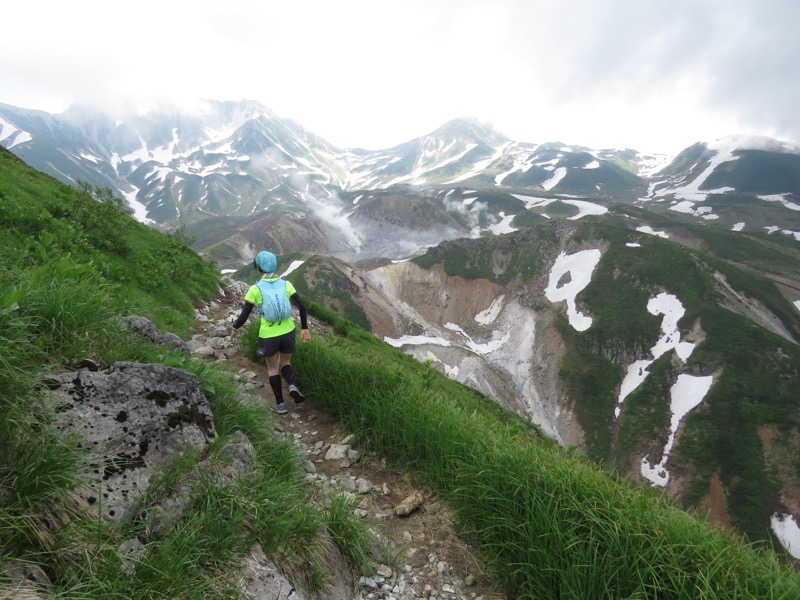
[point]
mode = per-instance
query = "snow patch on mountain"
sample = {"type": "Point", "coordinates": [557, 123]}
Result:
{"type": "Point", "coordinates": [90, 157]}
{"type": "Point", "coordinates": [687, 207]}
{"type": "Point", "coordinates": [685, 395]}
{"type": "Point", "coordinates": [585, 208]}
{"type": "Point", "coordinates": [488, 316]}
{"type": "Point", "coordinates": [781, 199]}
{"type": "Point", "coordinates": [651, 164]}
{"type": "Point", "coordinates": [557, 176]}
{"type": "Point", "coordinates": [14, 135]}
{"type": "Point", "coordinates": [774, 228]}
{"type": "Point", "coordinates": [417, 175]}
{"type": "Point", "coordinates": [522, 164]}
{"type": "Point", "coordinates": [416, 340]}
{"type": "Point", "coordinates": [579, 268]}
{"type": "Point", "coordinates": [725, 149]}
{"type": "Point", "coordinates": [534, 201]}
{"type": "Point", "coordinates": [296, 264]}
{"type": "Point", "coordinates": [672, 309]}
{"type": "Point", "coordinates": [478, 348]}
{"type": "Point", "coordinates": [786, 529]}
{"type": "Point", "coordinates": [481, 165]}
{"type": "Point", "coordinates": [649, 230]}
{"type": "Point", "coordinates": [504, 226]}
{"type": "Point", "coordinates": [139, 209]}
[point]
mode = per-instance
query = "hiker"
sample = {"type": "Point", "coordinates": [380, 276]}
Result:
{"type": "Point", "coordinates": [276, 337]}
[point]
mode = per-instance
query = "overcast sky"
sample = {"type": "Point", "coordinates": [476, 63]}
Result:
{"type": "Point", "coordinates": [654, 75]}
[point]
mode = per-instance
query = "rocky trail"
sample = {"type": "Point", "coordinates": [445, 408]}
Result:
{"type": "Point", "coordinates": [430, 561]}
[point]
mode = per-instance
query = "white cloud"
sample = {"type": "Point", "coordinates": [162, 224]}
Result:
{"type": "Point", "coordinates": [654, 76]}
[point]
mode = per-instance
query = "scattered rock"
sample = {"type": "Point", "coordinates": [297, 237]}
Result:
{"type": "Point", "coordinates": [337, 452]}
{"type": "Point", "coordinates": [261, 579]}
{"type": "Point", "coordinates": [130, 551]}
{"type": "Point", "coordinates": [409, 505]}
{"type": "Point", "coordinates": [24, 581]}
{"type": "Point", "coordinates": [145, 329]}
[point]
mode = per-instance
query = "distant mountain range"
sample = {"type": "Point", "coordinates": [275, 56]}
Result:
{"type": "Point", "coordinates": [643, 308]}
{"type": "Point", "coordinates": [230, 172]}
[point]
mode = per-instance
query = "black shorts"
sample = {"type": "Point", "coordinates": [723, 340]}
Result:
{"type": "Point", "coordinates": [269, 347]}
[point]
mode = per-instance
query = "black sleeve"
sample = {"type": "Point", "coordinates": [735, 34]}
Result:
{"type": "Point", "coordinates": [247, 307]}
{"type": "Point", "coordinates": [302, 309]}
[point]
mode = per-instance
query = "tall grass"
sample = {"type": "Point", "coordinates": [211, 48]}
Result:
{"type": "Point", "coordinates": [549, 523]}
{"type": "Point", "coordinates": [64, 284]}
{"type": "Point", "coordinates": [17, 352]}
{"type": "Point", "coordinates": [73, 312]}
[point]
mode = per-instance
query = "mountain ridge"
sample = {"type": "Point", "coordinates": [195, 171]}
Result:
{"type": "Point", "coordinates": [239, 160]}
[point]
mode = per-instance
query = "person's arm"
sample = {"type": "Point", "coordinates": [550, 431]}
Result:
{"type": "Point", "coordinates": [247, 308]}
{"type": "Point", "coordinates": [305, 334]}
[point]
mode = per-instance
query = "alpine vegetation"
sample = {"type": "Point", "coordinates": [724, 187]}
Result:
{"type": "Point", "coordinates": [74, 269]}
{"type": "Point", "coordinates": [592, 363]}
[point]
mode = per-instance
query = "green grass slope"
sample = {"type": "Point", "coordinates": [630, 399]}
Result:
{"type": "Point", "coordinates": [757, 372]}
{"type": "Point", "coordinates": [47, 224]}
{"type": "Point", "coordinates": [71, 264]}
{"type": "Point", "coordinates": [550, 523]}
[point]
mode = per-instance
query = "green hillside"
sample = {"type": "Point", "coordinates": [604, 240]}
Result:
{"type": "Point", "coordinates": [550, 524]}
{"type": "Point", "coordinates": [757, 171]}
{"type": "Point", "coordinates": [757, 372]}
{"type": "Point", "coordinates": [54, 234]}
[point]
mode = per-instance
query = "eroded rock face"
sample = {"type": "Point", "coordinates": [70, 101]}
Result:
{"type": "Point", "coordinates": [134, 420]}
{"type": "Point", "coordinates": [481, 335]}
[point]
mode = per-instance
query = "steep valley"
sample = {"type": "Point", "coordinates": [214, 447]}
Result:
{"type": "Point", "coordinates": [479, 334]}
{"type": "Point", "coordinates": [483, 312]}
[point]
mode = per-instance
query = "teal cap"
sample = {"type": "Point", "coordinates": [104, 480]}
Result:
{"type": "Point", "coordinates": [266, 261]}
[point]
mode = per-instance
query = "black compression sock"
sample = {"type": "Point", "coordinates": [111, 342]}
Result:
{"type": "Point", "coordinates": [288, 374]}
{"type": "Point", "coordinates": [275, 384]}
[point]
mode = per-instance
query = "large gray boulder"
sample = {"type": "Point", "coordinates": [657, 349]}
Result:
{"type": "Point", "coordinates": [133, 420]}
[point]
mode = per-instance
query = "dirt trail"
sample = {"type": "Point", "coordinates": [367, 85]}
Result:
{"type": "Point", "coordinates": [429, 553]}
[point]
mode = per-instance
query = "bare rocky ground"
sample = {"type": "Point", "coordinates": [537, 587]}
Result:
{"type": "Point", "coordinates": [430, 560]}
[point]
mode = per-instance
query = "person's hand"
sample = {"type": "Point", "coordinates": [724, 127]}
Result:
{"type": "Point", "coordinates": [305, 335]}
{"type": "Point", "coordinates": [233, 333]}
